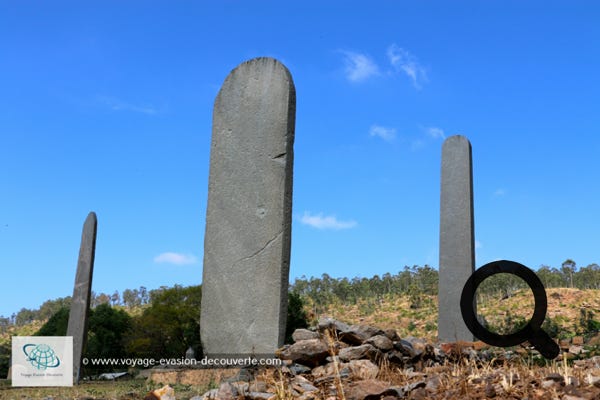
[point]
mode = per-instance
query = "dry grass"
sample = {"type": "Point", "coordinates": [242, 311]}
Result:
{"type": "Point", "coordinates": [331, 340]}
{"type": "Point", "coordinates": [463, 379]}
{"type": "Point", "coordinates": [122, 390]}
{"type": "Point", "coordinates": [395, 312]}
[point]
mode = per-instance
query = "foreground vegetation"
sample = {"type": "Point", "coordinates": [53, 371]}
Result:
{"type": "Point", "coordinates": [122, 390]}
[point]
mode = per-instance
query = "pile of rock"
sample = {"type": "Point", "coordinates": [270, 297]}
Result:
{"type": "Point", "coordinates": [334, 341]}
{"type": "Point", "coordinates": [357, 362]}
{"type": "Point", "coordinates": [335, 357]}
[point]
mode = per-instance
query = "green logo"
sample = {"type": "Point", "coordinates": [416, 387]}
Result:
{"type": "Point", "coordinates": [41, 356]}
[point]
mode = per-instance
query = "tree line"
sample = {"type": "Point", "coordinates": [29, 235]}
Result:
{"type": "Point", "coordinates": [129, 298]}
{"type": "Point", "coordinates": [424, 280]}
{"type": "Point", "coordinates": [326, 289]}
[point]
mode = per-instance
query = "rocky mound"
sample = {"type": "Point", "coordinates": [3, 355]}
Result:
{"type": "Point", "coordinates": [338, 361]}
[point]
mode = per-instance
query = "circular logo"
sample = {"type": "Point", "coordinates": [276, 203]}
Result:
{"type": "Point", "coordinates": [532, 332]}
{"type": "Point", "coordinates": [41, 356]}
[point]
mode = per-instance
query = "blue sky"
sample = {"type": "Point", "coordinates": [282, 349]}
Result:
{"type": "Point", "coordinates": [107, 106]}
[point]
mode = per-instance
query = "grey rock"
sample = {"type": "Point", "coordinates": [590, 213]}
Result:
{"type": "Point", "coordinates": [298, 369]}
{"type": "Point", "coordinates": [433, 384]}
{"type": "Point", "coordinates": [367, 389]}
{"type": "Point", "coordinates": [365, 351]}
{"type": "Point", "coordinates": [260, 395]}
{"type": "Point", "coordinates": [406, 348]}
{"type": "Point", "coordinates": [392, 335]}
{"type": "Point", "coordinates": [417, 343]}
{"type": "Point", "coordinates": [306, 352]}
{"type": "Point", "coordinates": [382, 342]}
{"type": "Point", "coordinates": [248, 218]}
{"type": "Point", "coordinates": [327, 323]}
{"type": "Point", "coordinates": [358, 334]}
{"type": "Point", "coordinates": [303, 385]}
{"type": "Point", "coordinates": [556, 377]}
{"type": "Point", "coordinates": [326, 370]}
{"type": "Point", "coordinates": [593, 380]}
{"type": "Point", "coordinates": [547, 384]}
{"type": "Point", "coordinates": [397, 357]}
{"type": "Point", "coordinates": [331, 359]}
{"type": "Point", "coordinates": [362, 369]}
{"type": "Point", "coordinates": [227, 392]}
{"type": "Point", "coordinates": [402, 391]}
{"type": "Point", "coordinates": [457, 246]}
{"type": "Point", "coordinates": [241, 387]}
{"type": "Point", "coordinates": [80, 303]}
{"type": "Point", "coordinates": [304, 334]}
{"type": "Point", "coordinates": [258, 386]}
{"type": "Point", "coordinates": [574, 349]}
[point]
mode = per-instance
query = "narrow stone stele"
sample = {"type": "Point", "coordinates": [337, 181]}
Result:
{"type": "Point", "coordinates": [248, 219]}
{"type": "Point", "coordinates": [457, 250]}
{"type": "Point", "coordinates": [80, 303]}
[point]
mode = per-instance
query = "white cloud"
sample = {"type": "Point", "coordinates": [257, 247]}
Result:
{"type": "Point", "coordinates": [175, 258]}
{"type": "Point", "coordinates": [405, 62]}
{"type": "Point", "coordinates": [499, 192]}
{"type": "Point", "coordinates": [435, 133]}
{"type": "Point", "coordinates": [119, 105]}
{"type": "Point", "coordinates": [359, 67]}
{"type": "Point", "coordinates": [326, 222]}
{"type": "Point", "coordinates": [425, 137]}
{"type": "Point", "coordinates": [478, 244]}
{"type": "Point", "coordinates": [387, 134]}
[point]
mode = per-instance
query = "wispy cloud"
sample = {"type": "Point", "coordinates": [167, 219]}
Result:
{"type": "Point", "coordinates": [359, 67]}
{"type": "Point", "coordinates": [403, 61]}
{"type": "Point", "coordinates": [435, 133]}
{"type": "Point", "coordinates": [116, 104]}
{"type": "Point", "coordinates": [500, 192]}
{"type": "Point", "coordinates": [325, 222]}
{"type": "Point", "coordinates": [426, 136]}
{"type": "Point", "coordinates": [387, 134]}
{"type": "Point", "coordinates": [175, 258]}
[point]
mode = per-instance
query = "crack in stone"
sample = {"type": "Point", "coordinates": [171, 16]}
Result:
{"type": "Point", "coordinates": [256, 253]}
{"type": "Point", "coordinates": [280, 158]}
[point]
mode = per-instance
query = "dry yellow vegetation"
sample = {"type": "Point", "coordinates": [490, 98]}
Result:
{"type": "Point", "coordinates": [565, 308]}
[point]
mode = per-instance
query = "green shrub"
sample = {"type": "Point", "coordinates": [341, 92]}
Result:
{"type": "Point", "coordinates": [56, 325]}
{"type": "Point", "coordinates": [296, 316]}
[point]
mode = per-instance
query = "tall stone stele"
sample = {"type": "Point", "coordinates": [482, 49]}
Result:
{"type": "Point", "coordinates": [457, 249]}
{"type": "Point", "coordinates": [248, 219]}
{"type": "Point", "coordinates": [80, 303]}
